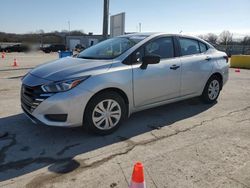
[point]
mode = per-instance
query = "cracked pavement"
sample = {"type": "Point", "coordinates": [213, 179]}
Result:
{"type": "Point", "coordinates": [185, 144]}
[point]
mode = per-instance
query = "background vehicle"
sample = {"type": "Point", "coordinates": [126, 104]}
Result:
{"type": "Point", "coordinates": [16, 48]}
{"type": "Point", "coordinates": [117, 77]}
{"type": "Point", "coordinates": [54, 48]}
{"type": "Point", "coordinates": [79, 48]}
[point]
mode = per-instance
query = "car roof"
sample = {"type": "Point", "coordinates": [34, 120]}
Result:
{"type": "Point", "coordinates": [155, 34]}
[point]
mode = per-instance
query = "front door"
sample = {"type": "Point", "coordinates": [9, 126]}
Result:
{"type": "Point", "coordinates": [159, 82]}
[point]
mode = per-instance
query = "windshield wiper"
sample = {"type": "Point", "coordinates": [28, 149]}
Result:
{"type": "Point", "coordinates": [85, 57]}
{"type": "Point", "coordinates": [100, 58]}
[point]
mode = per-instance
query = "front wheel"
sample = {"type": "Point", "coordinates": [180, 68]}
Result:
{"type": "Point", "coordinates": [212, 90]}
{"type": "Point", "coordinates": [104, 113]}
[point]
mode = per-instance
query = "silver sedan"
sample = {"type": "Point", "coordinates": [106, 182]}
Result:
{"type": "Point", "coordinates": [107, 82]}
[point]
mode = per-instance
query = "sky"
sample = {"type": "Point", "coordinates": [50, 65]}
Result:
{"type": "Point", "coordinates": [189, 16]}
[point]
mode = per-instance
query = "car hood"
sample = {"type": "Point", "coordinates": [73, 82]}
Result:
{"type": "Point", "coordinates": [69, 67]}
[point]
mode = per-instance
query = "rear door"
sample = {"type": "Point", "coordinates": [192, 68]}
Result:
{"type": "Point", "coordinates": [196, 65]}
{"type": "Point", "coordinates": [160, 81]}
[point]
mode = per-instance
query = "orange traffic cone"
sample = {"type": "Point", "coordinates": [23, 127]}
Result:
{"type": "Point", "coordinates": [15, 63]}
{"type": "Point", "coordinates": [237, 70]}
{"type": "Point", "coordinates": [137, 180]}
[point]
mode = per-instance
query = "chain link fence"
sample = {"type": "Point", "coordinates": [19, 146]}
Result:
{"type": "Point", "coordinates": [234, 49]}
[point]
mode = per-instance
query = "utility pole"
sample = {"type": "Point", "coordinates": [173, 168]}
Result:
{"type": "Point", "coordinates": [139, 27]}
{"type": "Point", "coordinates": [105, 19]}
{"type": "Point", "coordinates": [69, 26]}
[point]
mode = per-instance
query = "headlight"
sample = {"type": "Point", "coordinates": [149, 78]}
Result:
{"type": "Point", "coordinates": [63, 85]}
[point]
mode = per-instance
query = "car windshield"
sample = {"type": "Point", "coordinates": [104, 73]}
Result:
{"type": "Point", "coordinates": [111, 48]}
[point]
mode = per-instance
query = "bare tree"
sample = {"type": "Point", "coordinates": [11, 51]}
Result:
{"type": "Point", "coordinates": [225, 38]}
{"type": "Point", "coordinates": [202, 37]}
{"type": "Point", "coordinates": [246, 40]}
{"type": "Point", "coordinates": [40, 31]}
{"type": "Point", "coordinates": [212, 38]}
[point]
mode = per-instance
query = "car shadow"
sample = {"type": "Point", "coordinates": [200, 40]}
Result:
{"type": "Point", "coordinates": [29, 147]}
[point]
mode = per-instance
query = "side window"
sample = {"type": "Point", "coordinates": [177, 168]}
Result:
{"type": "Point", "coordinates": [203, 47]}
{"type": "Point", "coordinates": [162, 47]}
{"type": "Point", "coordinates": [189, 46]}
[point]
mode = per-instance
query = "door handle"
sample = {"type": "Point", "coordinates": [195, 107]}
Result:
{"type": "Point", "coordinates": [174, 67]}
{"type": "Point", "coordinates": [208, 58]}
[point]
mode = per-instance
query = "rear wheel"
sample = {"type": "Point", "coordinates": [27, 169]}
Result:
{"type": "Point", "coordinates": [104, 113]}
{"type": "Point", "coordinates": [212, 90]}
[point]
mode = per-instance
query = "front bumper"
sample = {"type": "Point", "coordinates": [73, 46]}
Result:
{"type": "Point", "coordinates": [72, 103]}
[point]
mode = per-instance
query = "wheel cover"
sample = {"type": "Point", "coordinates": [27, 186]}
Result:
{"type": "Point", "coordinates": [213, 89]}
{"type": "Point", "coordinates": [106, 114]}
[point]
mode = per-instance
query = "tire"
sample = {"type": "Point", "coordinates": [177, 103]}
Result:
{"type": "Point", "coordinates": [109, 120]}
{"type": "Point", "coordinates": [212, 90]}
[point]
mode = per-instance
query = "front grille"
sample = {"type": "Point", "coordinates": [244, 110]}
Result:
{"type": "Point", "coordinates": [31, 97]}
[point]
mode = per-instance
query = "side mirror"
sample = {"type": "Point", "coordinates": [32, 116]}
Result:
{"type": "Point", "coordinates": [146, 60]}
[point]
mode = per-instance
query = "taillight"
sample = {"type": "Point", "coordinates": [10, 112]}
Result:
{"type": "Point", "coordinates": [226, 58]}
